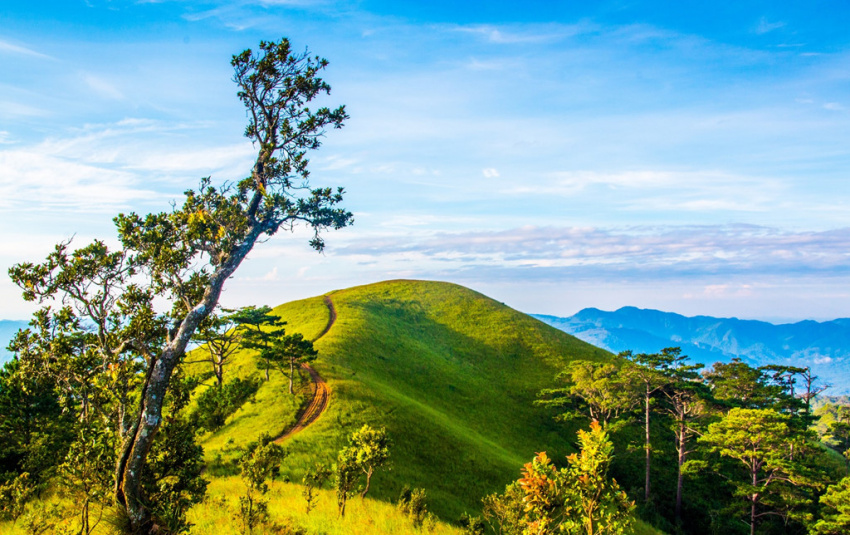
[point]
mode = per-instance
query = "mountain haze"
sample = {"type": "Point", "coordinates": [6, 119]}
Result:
{"type": "Point", "coordinates": [825, 346]}
{"type": "Point", "coordinates": [8, 329]}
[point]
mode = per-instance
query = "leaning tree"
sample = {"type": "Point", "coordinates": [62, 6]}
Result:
{"type": "Point", "coordinates": [111, 336]}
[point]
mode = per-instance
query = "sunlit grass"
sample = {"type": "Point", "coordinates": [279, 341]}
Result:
{"type": "Point", "coordinates": [287, 507]}
{"type": "Point", "coordinates": [450, 373]}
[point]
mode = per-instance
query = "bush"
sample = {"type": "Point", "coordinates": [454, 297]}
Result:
{"type": "Point", "coordinates": [260, 462]}
{"type": "Point", "coordinates": [471, 525]}
{"type": "Point", "coordinates": [217, 403]}
{"type": "Point", "coordinates": [172, 479]}
{"type": "Point", "coordinates": [413, 503]}
{"type": "Point", "coordinates": [14, 496]}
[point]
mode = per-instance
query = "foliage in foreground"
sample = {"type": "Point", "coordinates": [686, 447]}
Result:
{"type": "Point", "coordinates": [576, 500]}
{"type": "Point", "coordinates": [109, 346]}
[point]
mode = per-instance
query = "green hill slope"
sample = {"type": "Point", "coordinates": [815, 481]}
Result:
{"type": "Point", "coordinates": [449, 372]}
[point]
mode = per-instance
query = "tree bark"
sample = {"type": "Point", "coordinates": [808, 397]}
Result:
{"type": "Point", "coordinates": [129, 491]}
{"type": "Point", "coordinates": [291, 372]}
{"type": "Point", "coordinates": [368, 480]}
{"type": "Point", "coordinates": [680, 476]}
{"type": "Point", "coordinates": [646, 444]}
{"type": "Point", "coordinates": [753, 500]}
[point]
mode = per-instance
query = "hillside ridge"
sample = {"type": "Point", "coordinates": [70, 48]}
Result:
{"type": "Point", "coordinates": [449, 372]}
{"type": "Point", "coordinates": [321, 392]}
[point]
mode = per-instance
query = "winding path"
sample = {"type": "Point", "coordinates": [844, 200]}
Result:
{"type": "Point", "coordinates": [321, 391]}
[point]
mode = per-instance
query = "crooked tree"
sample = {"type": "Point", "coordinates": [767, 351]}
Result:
{"type": "Point", "coordinates": [183, 256]}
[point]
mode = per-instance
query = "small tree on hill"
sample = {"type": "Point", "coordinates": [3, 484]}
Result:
{"type": "Point", "coordinates": [835, 510]}
{"type": "Point", "coordinates": [504, 512]}
{"type": "Point", "coordinates": [259, 329]}
{"type": "Point", "coordinates": [686, 398]}
{"type": "Point", "coordinates": [346, 472]}
{"type": "Point", "coordinates": [370, 448]}
{"type": "Point", "coordinates": [258, 464]}
{"type": "Point", "coordinates": [314, 477]}
{"type": "Point", "coordinates": [737, 384]}
{"type": "Point", "coordinates": [289, 349]}
{"type": "Point", "coordinates": [648, 371]}
{"type": "Point", "coordinates": [414, 504]}
{"type": "Point", "coordinates": [578, 499]}
{"type": "Point", "coordinates": [596, 389]}
{"type": "Point", "coordinates": [87, 474]}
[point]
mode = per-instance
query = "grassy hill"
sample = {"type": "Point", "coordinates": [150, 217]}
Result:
{"type": "Point", "coordinates": [449, 372]}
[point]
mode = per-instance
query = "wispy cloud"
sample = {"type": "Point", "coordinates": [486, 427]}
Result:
{"type": "Point", "coordinates": [764, 26]}
{"type": "Point", "coordinates": [102, 86]}
{"type": "Point", "coordinates": [523, 34]}
{"type": "Point", "coordinates": [112, 166]}
{"type": "Point", "coordinates": [654, 252]}
{"type": "Point", "coordinates": [10, 48]}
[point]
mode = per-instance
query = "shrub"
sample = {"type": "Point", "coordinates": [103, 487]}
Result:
{"type": "Point", "coordinates": [413, 503]}
{"type": "Point", "coordinates": [217, 403]}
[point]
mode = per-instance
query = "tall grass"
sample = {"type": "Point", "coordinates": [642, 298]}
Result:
{"type": "Point", "coordinates": [287, 508]}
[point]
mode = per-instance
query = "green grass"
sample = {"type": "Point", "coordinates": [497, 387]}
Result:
{"type": "Point", "coordinates": [452, 375]}
{"type": "Point", "coordinates": [287, 507]}
{"type": "Point", "coordinates": [272, 410]}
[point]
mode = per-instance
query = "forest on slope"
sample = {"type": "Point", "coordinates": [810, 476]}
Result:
{"type": "Point", "coordinates": [455, 379]}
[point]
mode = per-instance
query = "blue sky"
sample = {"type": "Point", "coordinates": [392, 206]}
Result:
{"type": "Point", "coordinates": [553, 155]}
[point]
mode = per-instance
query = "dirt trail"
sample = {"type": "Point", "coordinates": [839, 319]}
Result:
{"type": "Point", "coordinates": [321, 391]}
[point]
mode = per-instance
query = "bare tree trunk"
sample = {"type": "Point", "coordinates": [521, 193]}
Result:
{"type": "Point", "coordinates": [753, 500]}
{"type": "Point", "coordinates": [368, 480]}
{"type": "Point", "coordinates": [753, 518]}
{"type": "Point", "coordinates": [646, 444]}
{"type": "Point", "coordinates": [291, 373]}
{"type": "Point", "coordinates": [132, 463]}
{"type": "Point", "coordinates": [680, 476]}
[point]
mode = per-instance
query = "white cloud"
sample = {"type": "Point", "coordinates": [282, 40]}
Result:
{"type": "Point", "coordinates": [102, 168]}
{"type": "Point", "coordinates": [34, 180]}
{"type": "Point", "coordinates": [523, 34]}
{"type": "Point", "coordinates": [723, 291]}
{"type": "Point", "coordinates": [764, 26]}
{"type": "Point", "coordinates": [16, 110]}
{"type": "Point", "coordinates": [102, 87]}
{"type": "Point", "coordinates": [490, 172]}
{"type": "Point", "coordinates": [641, 252]}
{"type": "Point", "coordinates": [5, 46]}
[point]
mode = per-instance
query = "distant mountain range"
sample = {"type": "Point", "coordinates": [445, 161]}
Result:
{"type": "Point", "coordinates": [825, 346]}
{"type": "Point", "coordinates": [8, 328]}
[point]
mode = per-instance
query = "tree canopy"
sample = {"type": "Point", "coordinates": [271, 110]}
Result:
{"type": "Point", "coordinates": [109, 345]}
